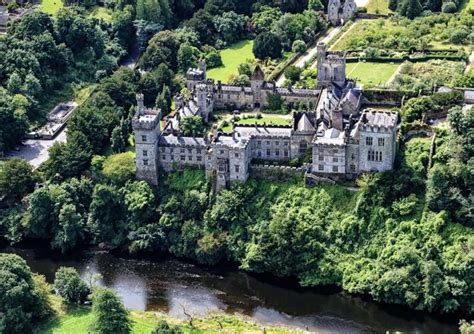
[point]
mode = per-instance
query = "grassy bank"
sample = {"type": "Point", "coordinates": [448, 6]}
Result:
{"type": "Point", "coordinates": [232, 57]}
{"type": "Point", "coordinates": [51, 6]}
{"type": "Point", "coordinates": [378, 7]}
{"type": "Point", "coordinates": [80, 320]}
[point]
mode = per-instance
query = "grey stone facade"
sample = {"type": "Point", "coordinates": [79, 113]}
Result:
{"type": "Point", "coordinates": [343, 140]}
{"type": "Point", "coordinates": [340, 11]}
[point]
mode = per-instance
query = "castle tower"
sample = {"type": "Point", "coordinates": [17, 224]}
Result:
{"type": "Point", "coordinates": [256, 82]}
{"type": "Point", "coordinates": [203, 67]}
{"type": "Point", "coordinates": [146, 129]}
{"type": "Point", "coordinates": [205, 101]}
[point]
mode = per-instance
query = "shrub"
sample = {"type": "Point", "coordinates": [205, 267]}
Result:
{"type": "Point", "coordinates": [361, 9]}
{"type": "Point", "coordinates": [12, 6]}
{"type": "Point", "coordinates": [164, 328]}
{"type": "Point", "coordinates": [298, 46]}
{"type": "Point", "coordinates": [69, 285]}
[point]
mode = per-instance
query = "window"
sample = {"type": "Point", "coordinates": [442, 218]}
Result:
{"type": "Point", "coordinates": [236, 155]}
{"type": "Point", "coordinates": [285, 153]}
{"type": "Point", "coordinates": [268, 143]}
{"type": "Point", "coordinates": [335, 159]}
{"type": "Point", "coordinates": [145, 153]}
{"type": "Point", "coordinates": [259, 154]}
{"type": "Point", "coordinates": [143, 138]}
{"type": "Point", "coordinates": [171, 150]}
{"type": "Point", "coordinates": [335, 169]}
{"type": "Point", "coordinates": [182, 150]}
{"type": "Point", "coordinates": [172, 157]}
{"type": "Point", "coordinates": [277, 143]}
{"type": "Point", "coordinates": [259, 143]}
{"type": "Point", "coordinates": [321, 157]}
{"type": "Point", "coordinates": [221, 168]}
{"type": "Point", "coordinates": [268, 153]}
{"type": "Point", "coordinates": [163, 149]}
{"type": "Point", "coordinates": [198, 151]}
{"type": "Point", "coordinates": [381, 141]}
{"type": "Point", "coordinates": [237, 168]}
{"type": "Point", "coordinates": [368, 141]}
{"type": "Point", "coordinates": [353, 168]}
{"type": "Point", "coordinates": [163, 157]}
{"type": "Point", "coordinates": [221, 152]}
{"type": "Point", "coordinates": [190, 150]}
{"type": "Point", "coordinates": [374, 156]}
{"type": "Point", "coordinates": [335, 151]}
{"type": "Point", "coordinates": [145, 162]}
{"type": "Point", "coordinates": [199, 158]}
{"type": "Point", "coordinates": [320, 167]}
{"type": "Point", "coordinates": [277, 153]}
{"type": "Point", "coordinates": [190, 157]}
{"type": "Point", "coordinates": [182, 158]}
{"type": "Point", "coordinates": [285, 143]}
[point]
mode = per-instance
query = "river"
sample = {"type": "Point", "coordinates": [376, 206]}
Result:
{"type": "Point", "coordinates": [168, 285]}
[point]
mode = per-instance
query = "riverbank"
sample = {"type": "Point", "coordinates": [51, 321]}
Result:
{"type": "Point", "coordinates": [162, 286]}
{"type": "Point", "coordinates": [79, 320]}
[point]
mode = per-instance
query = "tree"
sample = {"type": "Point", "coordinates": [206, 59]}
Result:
{"type": "Point", "coordinates": [410, 8]}
{"type": "Point", "coordinates": [186, 58]}
{"type": "Point", "coordinates": [449, 7]}
{"type": "Point", "coordinates": [245, 69]}
{"type": "Point", "coordinates": [17, 179]}
{"type": "Point", "coordinates": [110, 316]}
{"type": "Point", "coordinates": [230, 26]}
{"type": "Point", "coordinates": [117, 141]}
{"type": "Point", "coordinates": [315, 5]}
{"type": "Point", "coordinates": [275, 101]}
{"type": "Point", "coordinates": [298, 46]}
{"type": "Point", "coordinates": [69, 285]}
{"type": "Point", "coordinates": [163, 101]}
{"type": "Point", "coordinates": [119, 168]}
{"type": "Point", "coordinates": [293, 73]}
{"type": "Point", "coordinates": [192, 126]}
{"type": "Point", "coordinates": [70, 230]}
{"type": "Point", "coordinates": [267, 44]}
{"type": "Point", "coordinates": [240, 80]}
{"type": "Point", "coordinates": [22, 302]}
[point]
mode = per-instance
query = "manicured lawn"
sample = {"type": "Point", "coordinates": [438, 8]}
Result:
{"type": "Point", "coordinates": [51, 6]}
{"type": "Point", "coordinates": [267, 119]}
{"type": "Point", "coordinates": [378, 7]}
{"type": "Point", "coordinates": [371, 74]}
{"type": "Point", "coordinates": [232, 57]}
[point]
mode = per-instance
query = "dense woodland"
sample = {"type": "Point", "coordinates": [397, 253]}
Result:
{"type": "Point", "coordinates": [406, 237]}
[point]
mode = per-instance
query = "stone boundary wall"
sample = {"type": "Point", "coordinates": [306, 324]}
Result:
{"type": "Point", "coordinates": [277, 172]}
{"type": "Point", "coordinates": [387, 97]}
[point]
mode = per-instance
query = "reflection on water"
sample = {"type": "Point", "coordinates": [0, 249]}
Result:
{"type": "Point", "coordinates": [173, 286]}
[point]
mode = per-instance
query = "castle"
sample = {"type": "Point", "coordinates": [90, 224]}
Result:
{"type": "Point", "coordinates": [343, 140]}
{"type": "Point", "coordinates": [340, 11]}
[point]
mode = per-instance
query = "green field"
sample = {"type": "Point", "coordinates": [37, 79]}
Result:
{"type": "Point", "coordinates": [266, 119]}
{"type": "Point", "coordinates": [51, 6]}
{"type": "Point", "coordinates": [370, 74]}
{"type": "Point", "coordinates": [80, 321]}
{"type": "Point", "coordinates": [378, 7]}
{"type": "Point", "coordinates": [232, 57]}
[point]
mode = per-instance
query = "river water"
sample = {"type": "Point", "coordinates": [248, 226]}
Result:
{"type": "Point", "coordinates": [169, 285]}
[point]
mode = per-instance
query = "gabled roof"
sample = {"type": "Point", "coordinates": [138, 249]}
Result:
{"type": "Point", "coordinates": [258, 73]}
{"type": "Point", "coordinates": [304, 124]}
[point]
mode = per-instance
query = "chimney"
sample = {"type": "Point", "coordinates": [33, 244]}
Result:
{"type": "Point", "coordinates": [140, 104]}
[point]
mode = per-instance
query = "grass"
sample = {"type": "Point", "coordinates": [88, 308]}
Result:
{"type": "Point", "coordinates": [232, 57]}
{"type": "Point", "coordinates": [378, 7]}
{"type": "Point", "coordinates": [371, 74]}
{"type": "Point", "coordinates": [80, 320]}
{"type": "Point", "coordinates": [101, 13]}
{"type": "Point", "coordinates": [252, 120]}
{"type": "Point", "coordinates": [466, 5]}
{"type": "Point", "coordinates": [51, 6]}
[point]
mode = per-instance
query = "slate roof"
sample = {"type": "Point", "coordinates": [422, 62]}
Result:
{"type": "Point", "coordinates": [258, 73]}
{"type": "Point", "coordinates": [172, 140]}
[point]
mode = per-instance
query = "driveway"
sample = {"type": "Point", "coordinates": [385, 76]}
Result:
{"type": "Point", "coordinates": [311, 52]}
{"type": "Point", "coordinates": [35, 151]}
